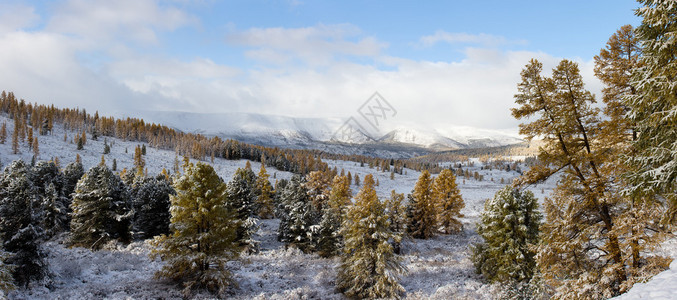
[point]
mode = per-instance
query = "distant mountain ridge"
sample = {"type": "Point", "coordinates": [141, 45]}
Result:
{"type": "Point", "coordinates": [321, 133]}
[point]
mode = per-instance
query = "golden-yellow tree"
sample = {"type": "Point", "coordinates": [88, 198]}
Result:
{"type": "Point", "coordinates": [448, 202]}
{"type": "Point", "coordinates": [330, 239]}
{"type": "Point", "coordinates": [421, 212]}
{"type": "Point", "coordinates": [203, 232]}
{"type": "Point", "coordinates": [264, 195]}
{"type": "Point", "coordinates": [583, 251]}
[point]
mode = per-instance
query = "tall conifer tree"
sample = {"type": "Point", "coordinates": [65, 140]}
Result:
{"type": "Point", "coordinates": [369, 268]}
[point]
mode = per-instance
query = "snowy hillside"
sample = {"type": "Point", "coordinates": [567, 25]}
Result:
{"type": "Point", "coordinates": [439, 268]}
{"type": "Point", "coordinates": [319, 133]}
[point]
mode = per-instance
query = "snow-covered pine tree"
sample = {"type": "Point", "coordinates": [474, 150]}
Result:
{"type": "Point", "coordinates": [297, 215]}
{"type": "Point", "coordinates": [421, 212]}
{"type": "Point", "coordinates": [72, 174]}
{"type": "Point", "coordinates": [654, 107]}
{"type": "Point", "coordinates": [509, 228]}
{"type": "Point", "coordinates": [203, 232]}
{"type": "Point", "coordinates": [241, 199]}
{"type": "Point", "coordinates": [52, 206]}
{"type": "Point", "coordinates": [55, 211]}
{"type": "Point", "coordinates": [264, 195]}
{"type": "Point", "coordinates": [330, 239]}
{"type": "Point", "coordinates": [150, 202]}
{"type": "Point", "coordinates": [100, 208]}
{"type": "Point", "coordinates": [396, 211]}
{"type": "Point", "coordinates": [369, 268]}
{"type": "Point", "coordinates": [448, 202]}
{"type": "Point", "coordinates": [18, 227]}
{"type": "Point", "coordinates": [6, 280]}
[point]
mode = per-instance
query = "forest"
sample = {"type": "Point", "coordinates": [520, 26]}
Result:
{"type": "Point", "coordinates": [592, 237]}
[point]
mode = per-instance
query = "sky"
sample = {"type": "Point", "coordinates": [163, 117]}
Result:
{"type": "Point", "coordinates": [437, 63]}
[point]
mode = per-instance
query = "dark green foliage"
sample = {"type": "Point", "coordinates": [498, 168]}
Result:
{"type": "Point", "coordinates": [297, 216]}
{"type": "Point", "coordinates": [17, 230]}
{"type": "Point", "coordinates": [100, 209]}
{"type": "Point", "coordinates": [509, 226]}
{"type": "Point", "coordinates": [52, 205]}
{"type": "Point", "coordinates": [72, 174]}
{"type": "Point", "coordinates": [241, 195]}
{"type": "Point", "coordinates": [150, 201]}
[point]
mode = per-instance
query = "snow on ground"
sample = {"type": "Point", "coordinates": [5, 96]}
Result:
{"type": "Point", "coordinates": [663, 286]}
{"type": "Point", "coordinates": [52, 146]}
{"type": "Point", "coordinates": [439, 268]}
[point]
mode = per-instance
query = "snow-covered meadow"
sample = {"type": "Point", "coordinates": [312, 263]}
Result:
{"type": "Point", "coordinates": [439, 268]}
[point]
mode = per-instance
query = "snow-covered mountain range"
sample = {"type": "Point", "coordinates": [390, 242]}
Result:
{"type": "Point", "coordinates": [330, 134]}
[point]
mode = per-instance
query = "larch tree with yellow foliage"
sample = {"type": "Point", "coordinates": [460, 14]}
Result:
{"type": "Point", "coordinates": [582, 252]}
{"type": "Point", "coordinates": [369, 268]}
{"type": "Point", "coordinates": [203, 234]}
{"type": "Point", "coordinates": [448, 202]}
{"type": "Point", "coordinates": [264, 195]}
{"type": "Point", "coordinates": [330, 239]}
{"type": "Point", "coordinates": [421, 212]}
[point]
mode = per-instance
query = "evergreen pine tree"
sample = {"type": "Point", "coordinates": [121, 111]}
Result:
{"type": "Point", "coordinates": [448, 201]}
{"type": "Point", "coordinates": [421, 212]}
{"type": "Point", "coordinates": [264, 198]}
{"type": "Point", "coordinates": [100, 209]}
{"type": "Point", "coordinates": [509, 228]}
{"type": "Point", "coordinates": [81, 143]}
{"type": "Point", "coordinates": [297, 215]}
{"type": "Point", "coordinates": [203, 232]}
{"type": "Point", "coordinates": [6, 270]}
{"type": "Point", "coordinates": [330, 240]}
{"type": "Point", "coordinates": [18, 226]}
{"type": "Point", "coordinates": [150, 201]}
{"type": "Point", "coordinates": [653, 108]}
{"type": "Point", "coordinates": [71, 175]}
{"type": "Point", "coordinates": [55, 206]}
{"type": "Point", "coordinates": [241, 196]}
{"type": "Point", "coordinates": [368, 268]}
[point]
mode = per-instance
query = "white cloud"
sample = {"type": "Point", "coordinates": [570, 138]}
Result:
{"type": "Point", "coordinates": [14, 17]}
{"type": "Point", "coordinates": [42, 67]}
{"type": "Point", "coordinates": [465, 38]}
{"type": "Point", "coordinates": [103, 20]}
{"type": "Point", "coordinates": [317, 45]}
{"type": "Point", "coordinates": [303, 71]}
